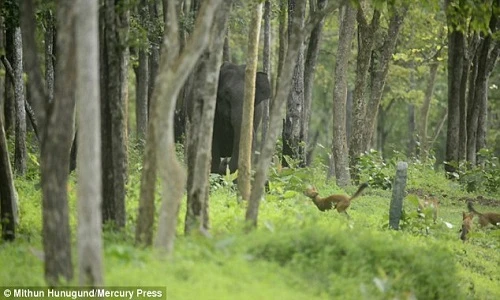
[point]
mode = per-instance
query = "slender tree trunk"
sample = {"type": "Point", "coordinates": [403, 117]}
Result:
{"type": "Point", "coordinates": [201, 121]}
{"type": "Point", "coordinates": [491, 59]}
{"type": "Point", "coordinates": [340, 151]}
{"type": "Point", "coordinates": [141, 104]}
{"type": "Point", "coordinates": [154, 51]}
{"type": "Point", "coordinates": [379, 74]}
{"type": "Point", "coordinates": [292, 128]}
{"type": "Point", "coordinates": [467, 69]}
{"type": "Point", "coordinates": [456, 45]}
{"type": "Point", "coordinates": [8, 201]}
{"type": "Point", "coordinates": [113, 113]}
{"type": "Point", "coordinates": [19, 96]}
{"type": "Point", "coordinates": [309, 70]}
{"type": "Point", "coordinates": [424, 109]}
{"type": "Point", "coordinates": [247, 134]}
{"type": "Point", "coordinates": [55, 137]}
{"type": "Point", "coordinates": [282, 40]}
{"type": "Point", "coordinates": [9, 103]}
{"type": "Point", "coordinates": [366, 38]}
{"type": "Point", "coordinates": [89, 135]}
{"type": "Point", "coordinates": [49, 54]}
{"type": "Point", "coordinates": [226, 51]}
{"type": "Point", "coordinates": [266, 64]}
{"type": "Point", "coordinates": [173, 72]}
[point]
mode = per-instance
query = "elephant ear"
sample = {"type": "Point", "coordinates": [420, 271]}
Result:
{"type": "Point", "coordinates": [262, 87]}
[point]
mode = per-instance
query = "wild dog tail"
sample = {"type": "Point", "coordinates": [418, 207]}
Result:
{"type": "Point", "coordinates": [358, 192]}
{"type": "Point", "coordinates": [471, 208]}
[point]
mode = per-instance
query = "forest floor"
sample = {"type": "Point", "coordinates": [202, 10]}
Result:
{"type": "Point", "coordinates": [297, 252]}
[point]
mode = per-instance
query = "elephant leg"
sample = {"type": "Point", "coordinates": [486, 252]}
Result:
{"type": "Point", "coordinates": [216, 157]}
{"type": "Point", "coordinates": [233, 162]}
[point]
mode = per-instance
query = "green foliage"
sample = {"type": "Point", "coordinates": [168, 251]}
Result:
{"type": "Point", "coordinates": [357, 264]}
{"type": "Point", "coordinates": [374, 170]}
{"type": "Point", "coordinates": [484, 177]}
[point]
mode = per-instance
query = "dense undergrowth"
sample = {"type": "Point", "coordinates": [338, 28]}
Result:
{"type": "Point", "coordinates": [297, 252]}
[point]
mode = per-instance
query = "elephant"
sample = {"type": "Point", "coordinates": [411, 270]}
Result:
{"type": "Point", "coordinates": [229, 111]}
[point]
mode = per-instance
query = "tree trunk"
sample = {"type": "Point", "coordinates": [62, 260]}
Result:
{"type": "Point", "coordinates": [8, 201]}
{"type": "Point", "coordinates": [491, 59]}
{"type": "Point", "coordinates": [292, 129]}
{"type": "Point", "coordinates": [379, 74]}
{"type": "Point", "coordinates": [456, 46]}
{"type": "Point", "coordinates": [226, 51]}
{"type": "Point", "coordinates": [201, 120]}
{"type": "Point", "coordinates": [339, 139]}
{"type": "Point", "coordinates": [19, 98]}
{"type": "Point", "coordinates": [309, 69]}
{"type": "Point", "coordinates": [266, 66]}
{"type": "Point", "coordinates": [469, 68]}
{"type": "Point", "coordinates": [246, 136]}
{"type": "Point", "coordinates": [142, 77]}
{"type": "Point", "coordinates": [424, 109]}
{"type": "Point", "coordinates": [11, 22]}
{"type": "Point", "coordinates": [154, 51]}
{"type": "Point", "coordinates": [141, 96]}
{"type": "Point", "coordinates": [89, 135]}
{"type": "Point", "coordinates": [113, 102]}
{"type": "Point", "coordinates": [366, 38]}
{"type": "Point", "coordinates": [55, 137]}
{"type": "Point", "coordinates": [282, 40]}
{"type": "Point", "coordinates": [173, 72]}
{"type": "Point", "coordinates": [49, 55]}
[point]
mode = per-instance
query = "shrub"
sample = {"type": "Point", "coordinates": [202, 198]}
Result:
{"type": "Point", "coordinates": [361, 264]}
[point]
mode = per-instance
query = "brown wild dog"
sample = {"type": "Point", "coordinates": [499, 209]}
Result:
{"type": "Point", "coordinates": [466, 225]}
{"type": "Point", "coordinates": [339, 202]}
{"type": "Point", "coordinates": [431, 203]}
{"type": "Point", "coordinates": [485, 218]}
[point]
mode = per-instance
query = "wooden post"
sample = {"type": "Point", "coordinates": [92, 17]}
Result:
{"type": "Point", "coordinates": [398, 192]}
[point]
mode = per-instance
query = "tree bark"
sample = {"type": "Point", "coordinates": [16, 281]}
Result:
{"type": "Point", "coordinates": [456, 45]}
{"type": "Point", "coordinates": [89, 145]}
{"type": "Point", "coordinates": [8, 201]}
{"type": "Point", "coordinates": [201, 120]}
{"type": "Point", "coordinates": [366, 38]}
{"type": "Point", "coordinates": [266, 66]}
{"type": "Point", "coordinates": [424, 109]}
{"type": "Point", "coordinates": [173, 72]}
{"type": "Point", "coordinates": [293, 139]}
{"type": "Point", "coordinates": [309, 70]}
{"type": "Point", "coordinates": [55, 136]}
{"type": "Point", "coordinates": [340, 151]}
{"type": "Point", "coordinates": [11, 22]}
{"type": "Point", "coordinates": [142, 79]}
{"type": "Point", "coordinates": [379, 73]}
{"type": "Point", "coordinates": [19, 98]}
{"type": "Point", "coordinates": [246, 136]}
{"type": "Point", "coordinates": [113, 113]}
{"type": "Point", "coordinates": [49, 54]}
{"type": "Point", "coordinates": [282, 40]}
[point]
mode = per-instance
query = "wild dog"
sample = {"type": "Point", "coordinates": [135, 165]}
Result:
{"type": "Point", "coordinates": [485, 218]}
{"type": "Point", "coordinates": [466, 225]}
{"type": "Point", "coordinates": [339, 202]}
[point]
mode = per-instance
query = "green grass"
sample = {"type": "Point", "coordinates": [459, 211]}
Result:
{"type": "Point", "coordinates": [297, 252]}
